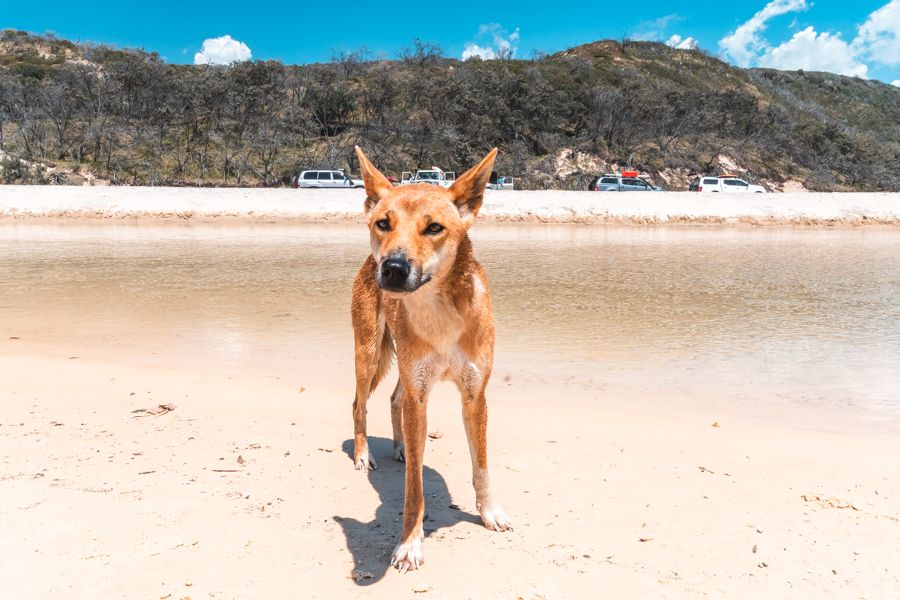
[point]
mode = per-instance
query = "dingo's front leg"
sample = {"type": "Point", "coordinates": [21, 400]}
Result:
{"type": "Point", "coordinates": [475, 420]}
{"type": "Point", "coordinates": [372, 353]}
{"type": "Point", "coordinates": [408, 553]}
{"type": "Point", "coordinates": [362, 460]}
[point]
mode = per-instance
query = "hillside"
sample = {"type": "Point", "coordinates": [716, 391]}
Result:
{"type": "Point", "coordinates": [74, 113]}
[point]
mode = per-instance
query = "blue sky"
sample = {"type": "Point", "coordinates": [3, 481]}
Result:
{"type": "Point", "coordinates": [820, 35]}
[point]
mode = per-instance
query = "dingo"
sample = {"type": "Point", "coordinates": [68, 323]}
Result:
{"type": "Point", "coordinates": [423, 292]}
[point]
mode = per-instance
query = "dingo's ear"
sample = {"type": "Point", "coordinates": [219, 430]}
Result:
{"type": "Point", "coordinates": [468, 190]}
{"type": "Point", "coordinates": [377, 185]}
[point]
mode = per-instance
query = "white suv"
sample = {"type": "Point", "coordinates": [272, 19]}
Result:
{"type": "Point", "coordinates": [724, 184]}
{"type": "Point", "coordinates": [327, 179]}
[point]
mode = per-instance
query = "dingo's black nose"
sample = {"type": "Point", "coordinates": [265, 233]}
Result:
{"type": "Point", "coordinates": [394, 272]}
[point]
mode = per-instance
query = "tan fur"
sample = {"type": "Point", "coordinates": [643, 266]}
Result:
{"type": "Point", "coordinates": [444, 330]}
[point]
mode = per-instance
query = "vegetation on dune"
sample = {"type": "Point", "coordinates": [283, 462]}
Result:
{"type": "Point", "coordinates": [128, 117]}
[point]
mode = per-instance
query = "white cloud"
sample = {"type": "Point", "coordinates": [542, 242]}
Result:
{"type": "Point", "coordinates": [476, 50]}
{"type": "Point", "coordinates": [744, 43]}
{"type": "Point", "coordinates": [878, 39]}
{"type": "Point", "coordinates": [656, 28]}
{"type": "Point", "coordinates": [676, 41]}
{"type": "Point", "coordinates": [814, 52]}
{"type": "Point", "coordinates": [502, 45]}
{"type": "Point", "coordinates": [222, 51]}
{"type": "Point", "coordinates": [896, 83]}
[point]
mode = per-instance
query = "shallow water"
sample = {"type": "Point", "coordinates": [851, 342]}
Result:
{"type": "Point", "coordinates": [762, 318]}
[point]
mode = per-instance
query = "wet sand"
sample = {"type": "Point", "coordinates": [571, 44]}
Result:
{"type": "Point", "coordinates": [743, 487]}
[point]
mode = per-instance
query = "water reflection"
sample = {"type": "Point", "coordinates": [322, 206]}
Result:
{"type": "Point", "coordinates": [795, 316]}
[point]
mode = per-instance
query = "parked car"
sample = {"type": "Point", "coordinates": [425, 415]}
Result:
{"type": "Point", "coordinates": [626, 181]}
{"type": "Point", "coordinates": [501, 182]}
{"type": "Point", "coordinates": [432, 176]}
{"type": "Point", "coordinates": [327, 179]}
{"type": "Point", "coordinates": [724, 183]}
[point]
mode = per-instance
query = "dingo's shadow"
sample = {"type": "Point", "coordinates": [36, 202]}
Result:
{"type": "Point", "coordinates": [372, 543]}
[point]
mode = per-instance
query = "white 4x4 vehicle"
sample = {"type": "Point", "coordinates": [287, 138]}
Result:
{"type": "Point", "coordinates": [726, 184]}
{"type": "Point", "coordinates": [432, 176]}
{"type": "Point", "coordinates": [327, 179]}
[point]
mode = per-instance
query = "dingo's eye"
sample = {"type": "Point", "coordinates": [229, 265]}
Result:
{"type": "Point", "coordinates": [434, 229]}
{"type": "Point", "coordinates": [383, 224]}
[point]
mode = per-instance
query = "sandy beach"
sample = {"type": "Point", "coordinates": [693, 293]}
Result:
{"type": "Point", "coordinates": [280, 205]}
{"type": "Point", "coordinates": [246, 490]}
{"type": "Point", "coordinates": [653, 471]}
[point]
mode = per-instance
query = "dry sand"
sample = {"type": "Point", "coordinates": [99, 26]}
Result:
{"type": "Point", "coordinates": [246, 490]}
{"type": "Point", "coordinates": [203, 204]}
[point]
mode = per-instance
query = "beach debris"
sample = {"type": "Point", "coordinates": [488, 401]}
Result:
{"type": "Point", "coordinates": [146, 472]}
{"type": "Point", "coordinates": [705, 470]}
{"type": "Point", "coordinates": [754, 549]}
{"type": "Point", "coordinates": [421, 589]}
{"type": "Point", "coordinates": [645, 539]}
{"type": "Point", "coordinates": [759, 530]}
{"type": "Point", "coordinates": [326, 449]}
{"type": "Point", "coordinates": [300, 390]}
{"type": "Point", "coordinates": [763, 565]}
{"type": "Point", "coordinates": [715, 424]}
{"type": "Point", "coordinates": [454, 506]}
{"type": "Point", "coordinates": [828, 502]}
{"type": "Point", "coordinates": [435, 435]}
{"type": "Point", "coordinates": [241, 461]}
{"type": "Point", "coordinates": [156, 411]}
{"type": "Point", "coordinates": [225, 470]}
{"type": "Point", "coordinates": [254, 446]}
{"type": "Point", "coordinates": [14, 337]}
{"type": "Point", "coordinates": [359, 575]}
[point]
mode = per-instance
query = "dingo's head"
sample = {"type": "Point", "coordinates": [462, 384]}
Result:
{"type": "Point", "coordinates": [417, 229]}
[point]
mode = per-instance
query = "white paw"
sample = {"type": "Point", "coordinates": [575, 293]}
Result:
{"type": "Point", "coordinates": [364, 462]}
{"type": "Point", "coordinates": [494, 518]}
{"type": "Point", "coordinates": [399, 452]}
{"type": "Point", "coordinates": [408, 556]}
